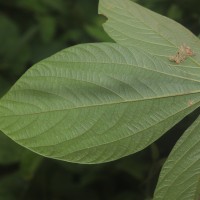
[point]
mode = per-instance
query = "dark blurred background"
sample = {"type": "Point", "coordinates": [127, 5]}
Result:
{"type": "Point", "coordinates": [31, 30]}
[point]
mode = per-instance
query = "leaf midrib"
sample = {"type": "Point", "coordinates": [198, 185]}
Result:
{"type": "Point", "coordinates": [96, 105]}
{"type": "Point", "coordinates": [114, 141]}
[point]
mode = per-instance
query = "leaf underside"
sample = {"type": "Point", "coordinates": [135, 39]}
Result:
{"type": "Point", "coordinates": [180, 176]}
{"type": "Point", "coordinates": [130, 24]}
{"type": "Point", "coordinates": [97, 102]}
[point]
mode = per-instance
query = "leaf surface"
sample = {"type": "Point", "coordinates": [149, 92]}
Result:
{"type": "Point", "coordinates": [180, 175]}
{"type": "Point", "coordinates": [130, 24]}
{"type": "Point", "coordinates": [96, 103]}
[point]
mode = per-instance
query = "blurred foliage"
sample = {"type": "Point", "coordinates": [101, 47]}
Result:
{"type": "Point", "coordinates": [31, 30]}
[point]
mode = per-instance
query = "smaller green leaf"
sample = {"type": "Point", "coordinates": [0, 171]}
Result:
{"type": "Point", "coordinates": [133, 25]}
{"type": "Point", "coordinates": [180, 176]}
{"type": "Point", "coordinates": [130, 24]}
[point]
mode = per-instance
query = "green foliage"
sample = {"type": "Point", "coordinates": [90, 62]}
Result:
{"type": "Point", "coordinates": [32, 30]}
{"type": "Point", "coordinates": [179, 178]}
{"type": "Point", "coordinates": [97, 89]}
{"type": "Point", "coordinates": [103, 84]}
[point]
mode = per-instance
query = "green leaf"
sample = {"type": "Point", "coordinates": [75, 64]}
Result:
{"type": "Point", "coordinates": [180, 175]}
{"type": "Point", "coordinates": [130, 24]}
{"type": "Point", "coordinates": [10, 152]}
{"type": "Point", "coordinates": [133, 25]}
{"type": "Point", "coordinates": [97, 102]}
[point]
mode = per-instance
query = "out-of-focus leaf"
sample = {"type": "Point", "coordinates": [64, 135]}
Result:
{"type": "Point", "coordinates": [14, 52]}
{"type": "Point", "coordinates": [127, 196]}
{"type": "Point", "coordinates": [73, 35]}
{"type": "Point", "coordinates": [97, 32]}
{"type": "Point", "coordinates": [41, 51]}
{"type": "Point", "coordinates": [154, 152]}
{"type": "Point", "coordinates": [11, 187]}
{"type": "Point", "coordinates": [9, 35]}
{"type": "Point", "coordinates": [47, 28]}
{"type": "Point", "coordinates": [10, 152]}
{"type": "Point", "coordinates": [29, 164]}
{"type": "Point", "coordinates": [15, 185]}
{"type": "Point", "coordinates": [32, 5]}
{"type": "Point", "coordinates": [136, 166]}
{"type": "Point", "coordinates": [175, 12]}
{"type": "Point", "coordinates": [59, 5]}
{"type": "Point", "coordinates": [4, 86]}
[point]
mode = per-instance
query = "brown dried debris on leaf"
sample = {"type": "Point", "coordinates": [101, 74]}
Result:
{"type": "Point", "coordinates": [182, 54]}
